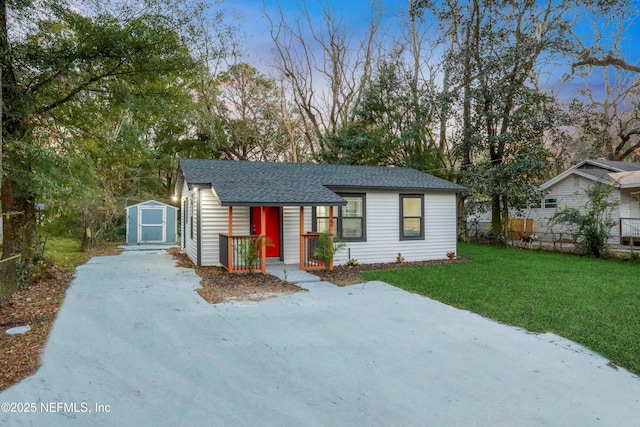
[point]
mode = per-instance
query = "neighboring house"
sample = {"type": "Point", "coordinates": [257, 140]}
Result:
{"type": "Point", "coordinates": [378, 211]}
{"type": "Point", "coordinates": [568, 190]}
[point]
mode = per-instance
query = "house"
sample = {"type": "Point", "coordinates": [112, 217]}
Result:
{"type": "Point", "coordinates": [151, 222]}
{"type": "Point", "coordinates": [377, 211]}
{"type": "Point", "coordinates": [568, 190]}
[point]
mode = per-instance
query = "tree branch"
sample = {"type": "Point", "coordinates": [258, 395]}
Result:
{"type": "Point", "coordinates": [606, 61]}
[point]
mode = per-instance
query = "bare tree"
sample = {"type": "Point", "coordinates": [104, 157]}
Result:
{"type": "Point", "coordinates": [610, 120]}
{"type": "Point", "coordinates": [317, 59]}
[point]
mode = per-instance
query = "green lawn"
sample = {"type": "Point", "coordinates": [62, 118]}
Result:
{"type": "Point", "coordinates": [65, 252]}
{"type": "Point", "coordinates": [591, 301]}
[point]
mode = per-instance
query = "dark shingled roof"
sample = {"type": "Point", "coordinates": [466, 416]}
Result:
{"type": "Point", "coordinates": [600, 169]}
{"type": "Point", "coordinates": [620, 166]}
{"type": "Point", "coordinates": [240, 183]}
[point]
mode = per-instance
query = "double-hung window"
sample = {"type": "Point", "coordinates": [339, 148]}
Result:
{"type": "Point", "coordinates": [411, 217]}
{"type": "Point", "coordinates": [550, 203]}
{"type": "Point", "coordinates": [350, 219]}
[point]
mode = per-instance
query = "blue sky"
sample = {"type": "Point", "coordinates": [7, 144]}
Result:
{"type": "Point", "coordinates": [258, 44]}
{"type": "Point", "coordinates": [255, 25]}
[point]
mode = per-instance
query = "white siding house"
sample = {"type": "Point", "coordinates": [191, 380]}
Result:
{"type": "Point", "coordinates": [378, 212]}
{"type": "Point", "coordinates": [567, 190]}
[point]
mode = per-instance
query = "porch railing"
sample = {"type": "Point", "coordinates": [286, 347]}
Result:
{"type": "Point", "coordinates": [234, 253]}
{"type": "Point", "coordinates": [309, 245]}
{"type": "Point", "coordinates": [629, 228]}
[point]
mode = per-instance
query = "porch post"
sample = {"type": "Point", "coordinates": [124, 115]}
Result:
{"type": "Point", "coordinates": [263, 248]}
{"type": "Point", "coordinates": [301, 237]}
{"type": "Point", "coordinates": [230, 239]}
{"type": "Point", "coordinates": [331, 234]}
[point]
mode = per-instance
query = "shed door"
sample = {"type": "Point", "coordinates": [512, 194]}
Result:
{"type": "Point", "coordinates": [151, 228]}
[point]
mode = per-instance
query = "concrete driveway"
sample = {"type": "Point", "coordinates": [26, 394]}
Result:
{"type": "Point", "coordinates": [134, 345]}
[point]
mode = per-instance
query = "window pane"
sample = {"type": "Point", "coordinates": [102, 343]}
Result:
{"type": "Point", "coordinates": [352, 228]}
{"type": "Point", "coordinates": [322, 211]}
{"type": "Point", "coordinates": [151, 216]}
{"type": "Point", "coordinates": [411, 227]}
{"type": "Point", "coordinates": [353, 207]}
{"type": "Point", "coordinates": [412, 206]}
{"type": "Point", "coordinates": [322, 225]}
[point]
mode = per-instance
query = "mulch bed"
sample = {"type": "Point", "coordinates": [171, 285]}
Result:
{"type": "Point", "coordinates": [219, 286]}
{"type": "Point", "coordinates": [345, 275]}
{"type": "Point", "coordinates": [36, 306]}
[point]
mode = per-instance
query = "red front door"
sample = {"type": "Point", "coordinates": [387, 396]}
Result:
{"type": "Point", "coordinates": [272, 228]}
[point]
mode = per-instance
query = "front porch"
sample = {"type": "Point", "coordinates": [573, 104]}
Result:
{"type": "Point", "coordinates": [248, 252]}
{"type": "Point", "coordinates": [630, 231]}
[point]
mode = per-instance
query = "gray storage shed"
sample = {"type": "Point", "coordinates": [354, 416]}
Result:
{"type": "Point", "coordinates": [151, 222]}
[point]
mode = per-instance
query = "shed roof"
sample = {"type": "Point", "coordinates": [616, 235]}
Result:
{"type": "Point", "coordinates": [240, 183]}
{"type": "Point", "coordinates": [151, 203]}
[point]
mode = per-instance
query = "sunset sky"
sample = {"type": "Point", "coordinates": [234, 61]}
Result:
{"type": "Point", "coordinates": [258, 44]}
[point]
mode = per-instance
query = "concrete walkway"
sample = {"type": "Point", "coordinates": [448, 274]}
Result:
{"type": "Point", "coordinates": [134, 345]}
{"type": "Point", "coordinates": [293, 274]}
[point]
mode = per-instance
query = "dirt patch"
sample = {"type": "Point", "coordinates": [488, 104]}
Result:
{"type": "Point", "coordinates": [345, 275]}
{"type": "Point", "coordinates": [218, 286]}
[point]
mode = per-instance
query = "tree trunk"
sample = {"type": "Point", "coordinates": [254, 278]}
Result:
{"type": "Point", "coordinates": [19, 224]}
{"type": "Point", "coordinates": [505, 218]}
{"type": "Point", "coordinates": [496, 218]}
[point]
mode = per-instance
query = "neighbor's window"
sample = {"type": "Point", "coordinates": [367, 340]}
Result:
{"type": "Point", "coordinates": [411, 217]}
{"type": "Point", "coordinates": [350, 219]}
{"type": "Point", "coordinates": [550, 203]}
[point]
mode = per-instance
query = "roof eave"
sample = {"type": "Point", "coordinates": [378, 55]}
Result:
{"type": "Point", "coordinates": [346, 188]}
{"type": "Point", "coordinates": [231, 203]}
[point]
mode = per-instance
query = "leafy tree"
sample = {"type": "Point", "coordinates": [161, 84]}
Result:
{"type": "Point", "coordinates": [51, 55]}
{"type": "Point", "coordinates": [392, 124]}
{"type": "Point", "coordinates": [591, 227]}
{"type": "Point", "coordinates": [249, 117]}
{"type": "Point", "coordinates": [496, 53]}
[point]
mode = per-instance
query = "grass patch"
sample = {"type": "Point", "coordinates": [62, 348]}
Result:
{"type": "Point", "coordinates": [591, 301]}
{"type": "Point", "coordinates": [65, 252]}
{"type": "Point", "coordinates": [68, 254]}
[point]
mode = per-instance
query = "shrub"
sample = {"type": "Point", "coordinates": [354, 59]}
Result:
{"type": "Point", "coordinates": [326, 249]}
{"type": "Point", "coordinates": [249, 250]}
{"type": "Point", "coordinates": [591, 228]}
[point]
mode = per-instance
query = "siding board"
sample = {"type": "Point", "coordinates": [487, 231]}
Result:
{"type": "Point", "coordinates": [383, 231]}
{"type": "Point", "coordinates": [382, 222]}
{"type": "Point", "coordinates": [571, 196]}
